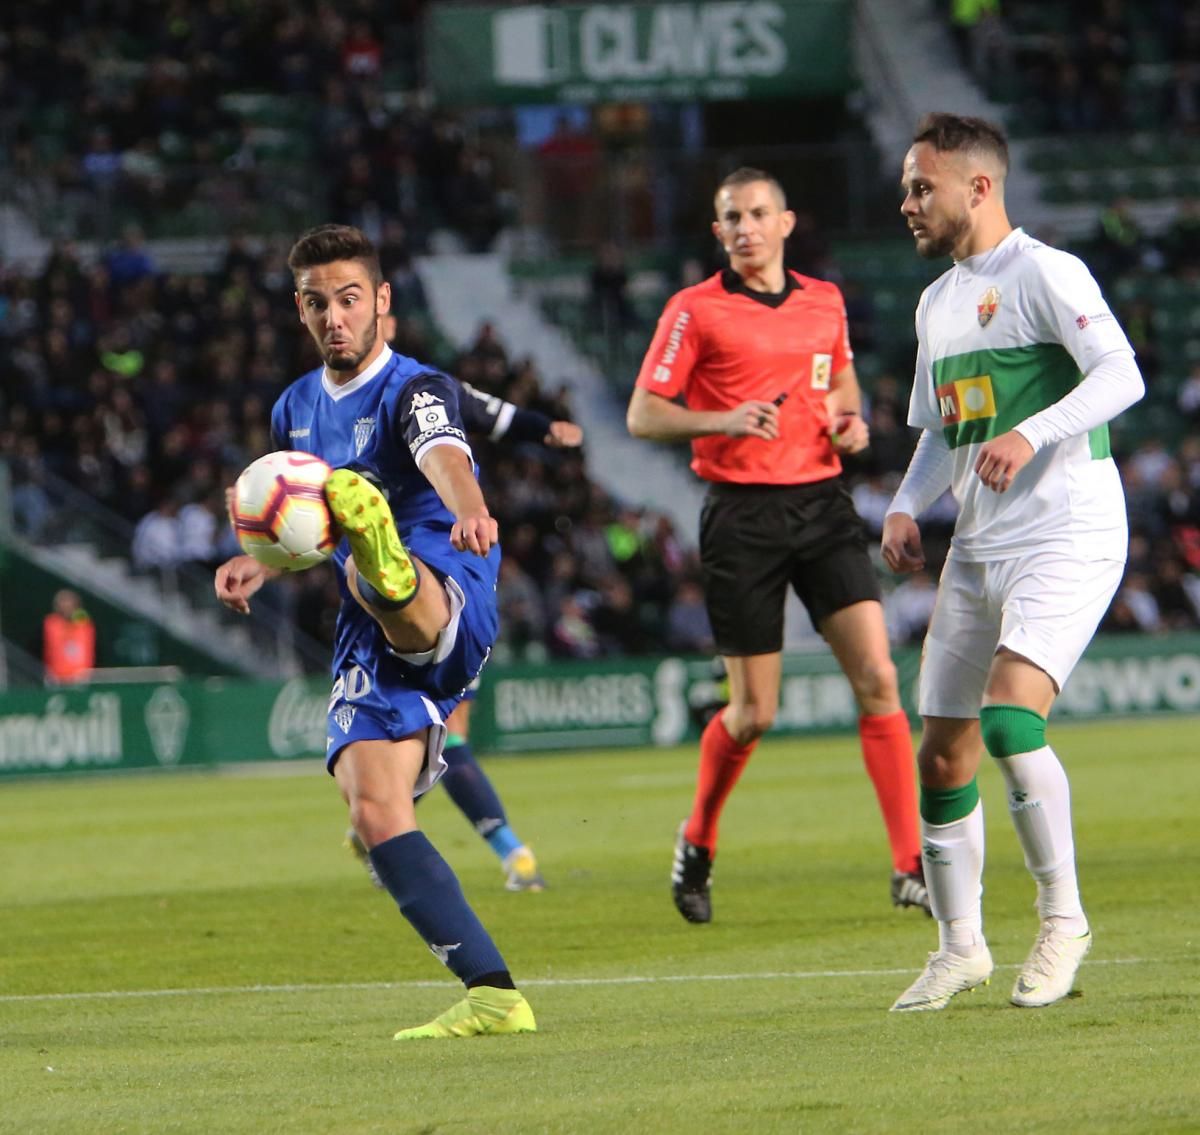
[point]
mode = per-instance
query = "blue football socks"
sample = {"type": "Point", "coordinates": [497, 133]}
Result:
{"type": "Point", "coordinates": [474, 795]}
{"type": "Point", "coordinates": [429, 896]}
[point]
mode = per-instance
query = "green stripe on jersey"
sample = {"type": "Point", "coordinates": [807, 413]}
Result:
{"type": "Point", "coordinates": [982, 394]}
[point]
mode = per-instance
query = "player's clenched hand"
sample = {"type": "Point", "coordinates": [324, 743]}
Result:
{"type": "Point", "coordinates": [849, 433]}
{"type": "Point", "coordinates": [1001, 459]}
{"type": "Point", "coordinates": [476, 533]}
{"type": "Point", "coordinates": [564, 435]}
{"type": "Point", "coordinates": [902, 550]}
{"type": "Point", "coordinates": [753, 419]}
{"type": "Point", "coordinates": [239, 578]}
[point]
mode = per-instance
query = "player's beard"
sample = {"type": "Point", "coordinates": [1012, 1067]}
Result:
{"type": "Point", "coordinates": [935, 247]}
{"type": "Point", "coordinates": [351, 362]}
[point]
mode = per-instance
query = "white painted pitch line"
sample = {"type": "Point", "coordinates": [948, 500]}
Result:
{"type": "Point", "coordinates": [533, 982]}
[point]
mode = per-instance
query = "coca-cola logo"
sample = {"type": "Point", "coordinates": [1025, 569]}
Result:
{"type": "Point", "coordinates": [297, 724]}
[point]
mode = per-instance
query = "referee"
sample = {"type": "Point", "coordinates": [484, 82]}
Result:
{"type": "Point", "coordinates": [753, 366]}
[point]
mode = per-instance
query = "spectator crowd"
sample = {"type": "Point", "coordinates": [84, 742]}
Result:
{"type": "Point", "coordinates": [149, 388]}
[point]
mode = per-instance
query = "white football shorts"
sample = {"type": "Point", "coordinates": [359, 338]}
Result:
{"type": "Point", "coordinates": [1045, 607]}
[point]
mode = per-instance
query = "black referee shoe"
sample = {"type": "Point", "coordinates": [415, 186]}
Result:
{"type": "Point", "coordinates": [909, 890]}
{"type": "Point", "coordinates": [691, 879]}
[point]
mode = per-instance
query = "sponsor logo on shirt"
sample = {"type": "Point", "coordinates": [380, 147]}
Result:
{"type": "Point", "coordinates": [422, 438]}
{"type": "Point", "coordinates": [422, 399]}
{"type": "Point", "coordinates": [299, 433]}
{"type": "Point", "coordinates": [363, 429]}
{"type": "Point", "coordinates": [988, 302]}
{"type": "Point", "coordinates": [966, 399]}
{"type": "Point", "coordinates": [431, 417]}
{"type": "Point", "coordinates": [1083, 322]}
{"type": "Point", "coordinates": [822, 371]}
{"type": "Point", "coordinates": [662, 372]}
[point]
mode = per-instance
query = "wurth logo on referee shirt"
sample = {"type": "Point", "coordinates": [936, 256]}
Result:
{"type": "Point", "coordinates": [662, 372]}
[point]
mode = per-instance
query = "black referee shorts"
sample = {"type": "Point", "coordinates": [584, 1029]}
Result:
{"type": "Point", "coordinates": [756, 539]}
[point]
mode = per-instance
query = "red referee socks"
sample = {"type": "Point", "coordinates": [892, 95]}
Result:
{"type": "Point", "coordinates": [722, 760]}
{"type": "Point", "coordinates": [888, 754]}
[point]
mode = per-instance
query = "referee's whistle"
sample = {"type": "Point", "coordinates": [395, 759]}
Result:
{"type": "Point", "coordinates": [779, 399]}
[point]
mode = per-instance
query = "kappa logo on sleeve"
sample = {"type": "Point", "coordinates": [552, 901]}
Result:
{"type": "Point", "coordinates": [429, 411]}
{"type": "Point", "coordinates": [422, 399]}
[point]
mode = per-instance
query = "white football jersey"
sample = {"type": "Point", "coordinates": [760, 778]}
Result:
{"type": "Point", "coordinates": [1001, 336]}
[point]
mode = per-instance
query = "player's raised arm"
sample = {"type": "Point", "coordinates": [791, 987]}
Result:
{"type": "Point", "coordinates": [487, 414]}
{"type": "Point", "coordinates": [452, 475]}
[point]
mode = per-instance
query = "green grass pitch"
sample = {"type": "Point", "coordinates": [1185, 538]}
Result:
{"type": "Point", "coordinates": [195, 953]}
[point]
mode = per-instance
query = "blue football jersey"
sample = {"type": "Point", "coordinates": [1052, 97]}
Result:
{"type": "Point", "coordinates": [383, 422]}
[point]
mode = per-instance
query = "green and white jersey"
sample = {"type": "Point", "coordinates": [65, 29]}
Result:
{"type": "Point", "coordinates": [1001, 336]}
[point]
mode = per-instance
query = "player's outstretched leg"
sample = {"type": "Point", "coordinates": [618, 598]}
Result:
{"type": "Point", "coordinates": [384, 566]}
{"type": "Point", "coordinates": [430, 898]}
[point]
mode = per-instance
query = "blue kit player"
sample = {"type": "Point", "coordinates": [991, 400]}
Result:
{"type": "Point", "coordinates": [468, 786]}
{"type": "Point", "coordinates": [418, 618]}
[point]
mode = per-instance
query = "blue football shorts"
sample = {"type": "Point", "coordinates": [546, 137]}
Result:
{"type": "Point", "coordinates": [379, 694]}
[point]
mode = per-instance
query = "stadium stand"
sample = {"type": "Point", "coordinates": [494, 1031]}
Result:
{"type": "Point", "coordinates": [147, 386]}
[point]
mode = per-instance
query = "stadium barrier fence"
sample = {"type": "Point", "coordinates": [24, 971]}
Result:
{"type": "Point", "coordinates": [521, 708]}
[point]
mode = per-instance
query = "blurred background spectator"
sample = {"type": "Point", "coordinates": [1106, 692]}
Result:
{"type": "Point", "coordinates": [68, 640]}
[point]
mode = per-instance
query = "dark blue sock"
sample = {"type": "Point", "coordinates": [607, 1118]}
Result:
{"type": "Point", "coordinates": [471, 790]}
{"type": "Point", "coordinates": [428, 895]}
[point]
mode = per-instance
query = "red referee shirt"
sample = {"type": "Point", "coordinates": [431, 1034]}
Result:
{"type": "Point", "coordinates": [719, 344]}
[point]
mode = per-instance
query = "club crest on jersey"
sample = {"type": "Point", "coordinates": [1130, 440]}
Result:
{"type": "Point", "coordinates": [988, 302]}
{"type": "Point", "coordinates": [363, 429]}
{"type": "Point", "coordinates": [344, 716]}
{"type": "Point", "coordinates": [822, 371]}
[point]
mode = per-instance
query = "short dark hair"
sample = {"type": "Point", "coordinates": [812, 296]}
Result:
{"type": "Point", "coordinates": [956, 133]}
{"type": "Point", "coordinates": [746, 175]}
{"type": "Point", "coordinates": [328, 243]}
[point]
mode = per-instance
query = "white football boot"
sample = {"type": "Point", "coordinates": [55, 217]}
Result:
{"type": "Point", "coordinates": [1049, 971]}
{"type": "Point", "coordinates": [944, 975]}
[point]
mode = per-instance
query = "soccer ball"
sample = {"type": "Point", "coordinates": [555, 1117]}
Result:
{"type": "Point", "coordinates": [279, 512]}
